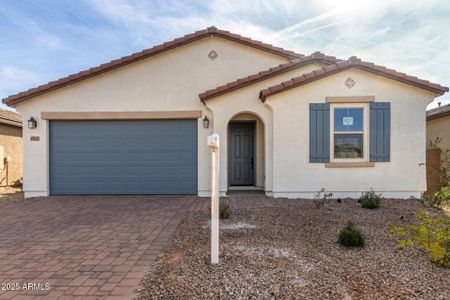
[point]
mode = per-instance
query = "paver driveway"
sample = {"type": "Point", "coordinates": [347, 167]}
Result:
{"type": "Point", "coordinates": [87, 246]}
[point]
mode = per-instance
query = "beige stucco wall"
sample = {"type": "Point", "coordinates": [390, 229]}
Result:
{"type": "Point", "coordinates": [172, 81]}
{"type": "Point", "coordinates": [11, 145]}
{"type": "Point", "coordinates": [246, 100]}
{"type": "Point", "coordinates": [402, 177]}
{"type": "Point", "coordinates": [439, 128]}
{"type": "Point", "coordinates": [169, 81]}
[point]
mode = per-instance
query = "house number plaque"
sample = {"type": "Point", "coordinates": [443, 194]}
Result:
{"type": "Point", "coordinates": [348, 121]}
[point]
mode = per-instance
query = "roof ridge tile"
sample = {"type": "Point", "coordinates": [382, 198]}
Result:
{"type": "Point", "coordinates": [438, 112]}
{"type": "Point", "coordinates": [273, 71]}
{"type": "Point", "coordinates": [354, 62]}
{"type": "Point", "coordinates": [125, 60]}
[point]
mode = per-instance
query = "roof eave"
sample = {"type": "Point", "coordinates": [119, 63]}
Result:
{"type": "Point", "coordinates": [352, 63]}
{"type": "Point", "coordinates": [126, 60]}
{"type": "Point", "coordinates": [438, 115]}
{"type": "Point", "coordinates": [271, 91]}
{"type": "Point", "coordinates": [210, 94]}
{"type": "Point", "coordinates": [10, 122]}
{"type": "Point", "coordinates": [437, 91]}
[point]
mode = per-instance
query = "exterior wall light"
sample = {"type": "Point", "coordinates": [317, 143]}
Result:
{"type": "Point", "coordinates": [205, 122]}
{"type": "Point", "coordinates": [32, 123]}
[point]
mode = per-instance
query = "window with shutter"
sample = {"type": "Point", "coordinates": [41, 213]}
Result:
{"type": "Point", "coordinates": [349, 133]}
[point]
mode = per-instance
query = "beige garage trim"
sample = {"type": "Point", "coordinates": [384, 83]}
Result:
{"type": "Point", "coordinates": [136, 115]}
{"type": "Point", "coordinates": [350, 99]}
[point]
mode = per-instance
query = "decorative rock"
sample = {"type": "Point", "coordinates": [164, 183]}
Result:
{"type": "Point", "coordinates": [292, 253]}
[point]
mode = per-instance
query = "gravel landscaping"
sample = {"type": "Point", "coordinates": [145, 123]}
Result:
{"type": "Point", "coordinates": [289, 251]}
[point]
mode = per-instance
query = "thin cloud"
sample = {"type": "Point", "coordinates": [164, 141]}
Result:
{"type": "Point", "coordinates": [132, 16]}
{"type": "Point", "coordinates": [302, 26]}
{"type": "Point", "coordinates": [13, 78]}
{"type": "Point", "coordinates": [407, 35]}
{"type": "Point", "coordinates": [300, 33]}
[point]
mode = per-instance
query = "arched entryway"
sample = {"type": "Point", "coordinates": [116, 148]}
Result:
{"type": "Point", "coordinates": [246, 152]}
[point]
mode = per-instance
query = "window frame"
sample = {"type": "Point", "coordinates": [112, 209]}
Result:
{"type": "Point", "coordinates": [365, 131]}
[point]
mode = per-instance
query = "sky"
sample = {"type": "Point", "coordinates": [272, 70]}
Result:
{"type": "Point", "coordinates": [43, 40]}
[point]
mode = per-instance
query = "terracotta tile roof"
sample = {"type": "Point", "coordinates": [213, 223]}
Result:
{"type": "Point", "coordinates": [189, 38]}
{"type": "Point", "coordinates": [438, 112]}
{"type": "Point", "coordinates": [242, 82]}
{"type": "Point", "coordinates": [352, 62]}
{"type": "Point", "coordinates": [10, 118]}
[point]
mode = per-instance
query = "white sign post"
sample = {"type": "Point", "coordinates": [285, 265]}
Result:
{"type": "Point", "coordinates": [213, 144]}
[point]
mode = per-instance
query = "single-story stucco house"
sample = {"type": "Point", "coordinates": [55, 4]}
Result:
{"type": "Point", "coordinates": [438, 137]}
{"type": "Point", "coordinates": [438, 126]}
{"type": "Point", "coordinates": [11, 148]}
{"type": "Point", "coordinates": [289, 124]}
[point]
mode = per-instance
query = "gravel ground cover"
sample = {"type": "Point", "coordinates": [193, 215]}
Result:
{"type": "Point", "coordinates": [290, 251]}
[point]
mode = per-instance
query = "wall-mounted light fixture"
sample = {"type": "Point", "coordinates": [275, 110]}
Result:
{"type": "Point", "coordinates": [32, 123]}
{"type": "Point", "coordinates": [205, 122]}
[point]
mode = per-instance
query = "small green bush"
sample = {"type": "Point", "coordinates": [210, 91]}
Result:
{"type": "Point", "coordinates": [439, 198]}
{"type": "Point", "coordinates": [430, 234]}
{"type": "Point", "coordinates": [350, 236]}
{"type": "Point", "coordinates": [224, 210]}
{"type": "Point", "coordinates": [320, 197]}
{"type": "Point", "coordinates": [370, 200]}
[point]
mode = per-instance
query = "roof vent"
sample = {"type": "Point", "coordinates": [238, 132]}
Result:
{"type": "Point", "coordinates": [354, 58]}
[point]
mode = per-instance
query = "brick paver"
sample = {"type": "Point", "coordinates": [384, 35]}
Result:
{"type": "Point", "coordinates": [84, 246]}
{"type": "Point", "coordinates": [90, 246]}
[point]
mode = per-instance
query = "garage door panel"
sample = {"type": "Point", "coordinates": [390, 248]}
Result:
{"type": "Point", "coordinates": [123, 157]}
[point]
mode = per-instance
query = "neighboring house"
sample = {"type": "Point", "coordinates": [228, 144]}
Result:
{"type": "Point", "coordinates": [438, 135]}
{"type": "Point", "coordinates": [11, 145]}
{"type": "Point", "coordinates": [438, 126]}
{"type": "Point", "coordinates": [289, 124]}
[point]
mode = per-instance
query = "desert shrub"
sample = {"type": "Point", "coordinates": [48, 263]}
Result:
{"type": "Point", "coordinates": [444, 170]}
{"type": "Point", "coordinates": [350, 236]}
{"type": "Point", "coordinates": [439, 197]}
{"type": "Point", "coordinates": [445, 153]}
{"type": "Point", "coordinates": [224, 210]}
{"type": "Point", "coordinates": [436, 199]}
{"type": "Point", "coordinates": [435, 144]}
{"type": "Point", "coordinates": [430, 234]}
{"type": "Point", "coordinates": [320, 197]}
{"type": "Point", "coordinates": [370, 200]}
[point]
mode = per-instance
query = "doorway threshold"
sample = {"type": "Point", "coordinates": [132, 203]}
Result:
{"type": "Point", "coordinates": [244, 188]}
{"type": "Point", "coordinates": [245, 191]}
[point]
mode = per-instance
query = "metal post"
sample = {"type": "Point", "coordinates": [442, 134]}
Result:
{"type": "Point", "coordinates": [213, 143]}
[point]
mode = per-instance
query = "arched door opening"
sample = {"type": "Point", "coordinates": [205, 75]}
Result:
{"type": "Point", "coordinates": [245, 152]}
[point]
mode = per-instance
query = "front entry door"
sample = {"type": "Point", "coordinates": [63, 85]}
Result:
{"type": "Point", "coordinates": [242, 153]}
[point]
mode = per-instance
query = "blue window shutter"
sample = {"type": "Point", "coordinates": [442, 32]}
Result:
{"type": "Point", "coordinates": [319, 132]}
{"type": "Point", "coordinates": [380, 131]}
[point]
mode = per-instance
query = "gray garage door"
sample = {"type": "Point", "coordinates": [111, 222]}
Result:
{"type": "Point", "coordinates": [123, 157]}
